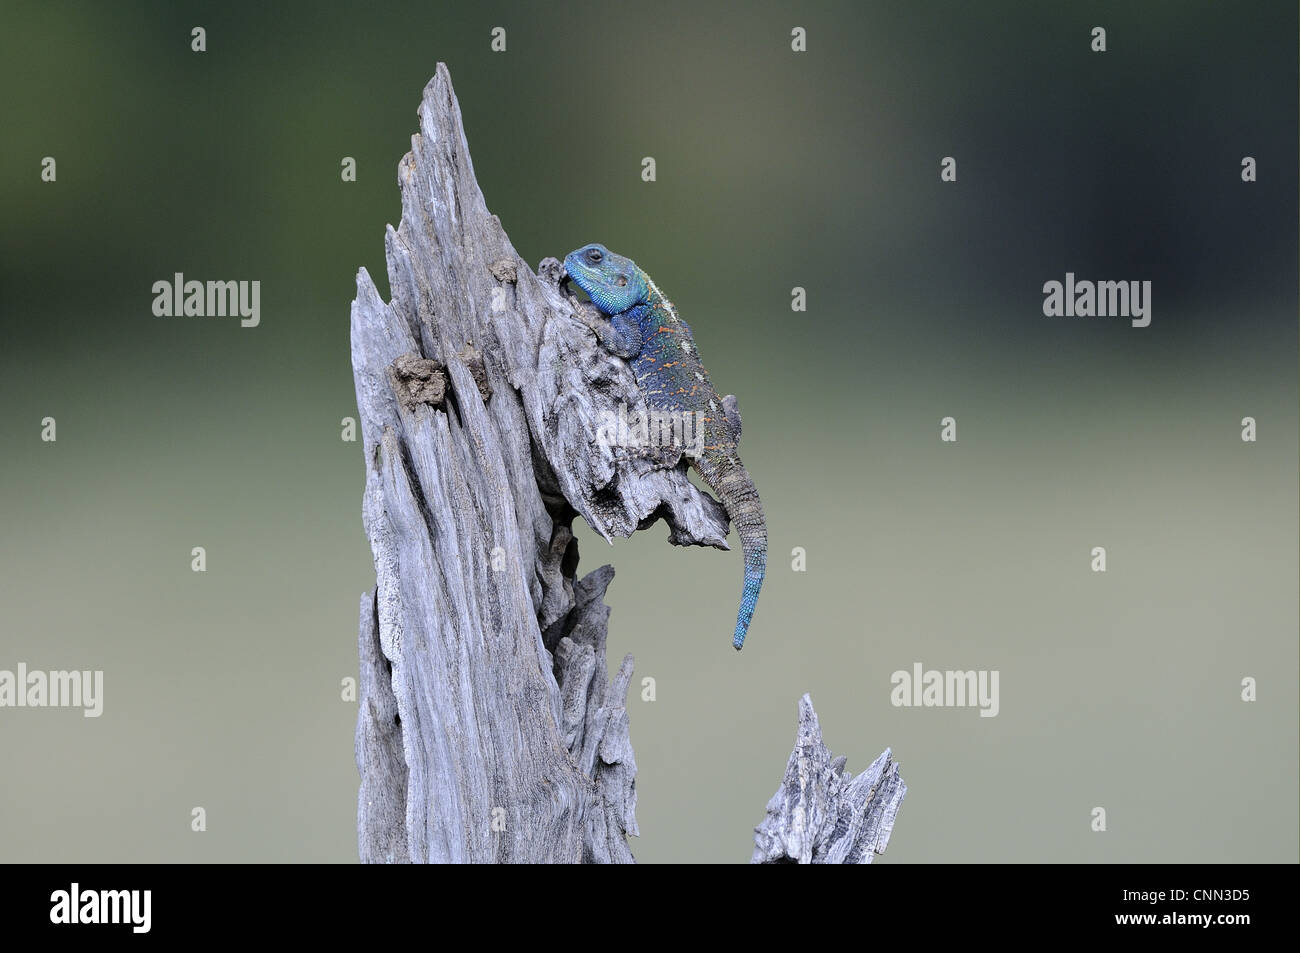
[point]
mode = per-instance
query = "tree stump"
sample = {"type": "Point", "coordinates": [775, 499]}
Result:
{"type": "Point", "coordinates": [489, 730]}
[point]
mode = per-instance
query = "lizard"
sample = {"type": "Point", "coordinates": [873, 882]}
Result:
{"type": "Point", "coordinates": [645, 329]}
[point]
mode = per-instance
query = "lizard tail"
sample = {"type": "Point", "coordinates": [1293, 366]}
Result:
{"type": "Point", "coordinates": [727, 476]}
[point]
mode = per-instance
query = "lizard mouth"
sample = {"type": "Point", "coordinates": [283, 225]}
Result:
{"type": "Point", "coordinates": [573, 289]}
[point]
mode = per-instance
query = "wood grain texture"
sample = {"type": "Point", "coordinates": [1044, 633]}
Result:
{"type": "Point", "coordinates": [821, 814]}
{"type": "Point", "coordinates": [489, 729]}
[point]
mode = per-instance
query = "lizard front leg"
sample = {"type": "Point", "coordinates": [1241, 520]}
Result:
{"type": "Point", "coordinates": [620, 335]}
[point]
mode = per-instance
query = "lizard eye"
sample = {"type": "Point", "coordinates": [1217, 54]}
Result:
{"type": "Point", "coordinates": [594, 256]}
{"type": "Point", "coordinates": [621, 282]}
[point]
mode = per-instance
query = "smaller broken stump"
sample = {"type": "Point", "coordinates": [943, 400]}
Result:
{"type": "Point", "coordinates": [823, 815]}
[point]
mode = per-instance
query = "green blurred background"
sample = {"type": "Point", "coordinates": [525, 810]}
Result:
{"type": "Point", "coordinates": [775, 169]}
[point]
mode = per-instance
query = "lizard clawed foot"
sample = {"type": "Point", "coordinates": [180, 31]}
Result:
{"type": "Point", "coordinates": [731, 410]}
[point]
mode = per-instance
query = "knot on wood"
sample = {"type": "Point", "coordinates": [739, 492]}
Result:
{"type": "Point", "coordinates": [551, 271]}
{"type": "Point", "coordinates": [505, 269]}
{"type": "Point", "coordinates": [473, 359]}
{"type": "Point", "coordinates": [418, 380]}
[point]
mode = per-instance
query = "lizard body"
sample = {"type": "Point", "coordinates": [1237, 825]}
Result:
{"type": "Point", "coordinates": [645, 329]}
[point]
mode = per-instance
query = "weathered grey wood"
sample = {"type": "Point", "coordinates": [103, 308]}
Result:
{"type": "Point", "coordinates": [381, 803]}
{"type": "Point", "coordinates": [823, 815]}
{"type": "Point", "coordinates": [489, 730]}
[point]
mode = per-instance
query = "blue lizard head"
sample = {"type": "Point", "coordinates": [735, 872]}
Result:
{"type": "Point", "coordinates": [614, 283]}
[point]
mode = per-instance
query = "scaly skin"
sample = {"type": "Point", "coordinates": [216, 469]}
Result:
{"type": "Point", "coordinates": [644, 328]}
